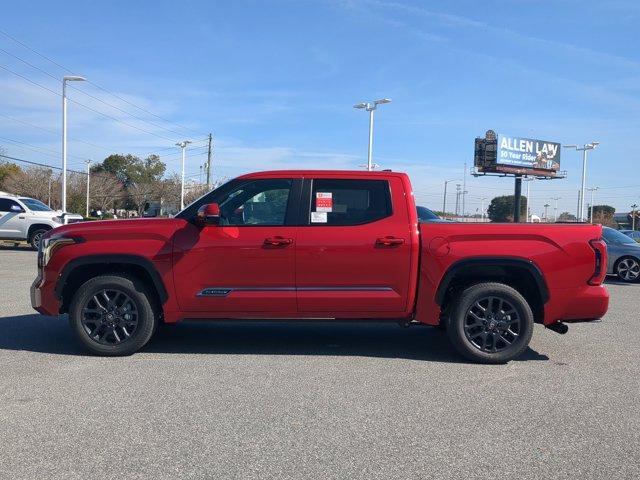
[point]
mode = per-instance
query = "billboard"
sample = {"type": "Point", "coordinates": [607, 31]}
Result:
{"type": "Point", "coordinates": [505, 154]}
{"type": "Point", "coordinates": [528, 153]}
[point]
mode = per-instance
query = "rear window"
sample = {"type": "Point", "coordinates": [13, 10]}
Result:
{"type": "Point", "coordinates": [349, 202]}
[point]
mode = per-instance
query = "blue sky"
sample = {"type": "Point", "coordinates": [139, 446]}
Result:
{"type": "Point", "coordinates": [275, 81]}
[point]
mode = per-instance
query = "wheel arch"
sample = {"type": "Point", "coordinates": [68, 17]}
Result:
{"type": "Point", "coordinates": [37, 226]}
{"type": "Point", "coordinates": [79, 270]}
{"type": "Point", "coordinates": [522, 274]}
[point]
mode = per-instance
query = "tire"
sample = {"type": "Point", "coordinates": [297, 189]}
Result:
{"type": "Point", "coordinates": [36, 237]}
{"type": "Point", "coordinates": [497, 335]}
{"type": "Point", "coordinates": [628, 269]}
{"type": "Point", "coordinates": [118, 324]}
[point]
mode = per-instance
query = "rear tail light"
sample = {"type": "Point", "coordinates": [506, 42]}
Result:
{"type": "Point", "coordinates": [600, 270]}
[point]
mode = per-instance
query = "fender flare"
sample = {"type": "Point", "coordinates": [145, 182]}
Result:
{"type": "Point", "coordinates": [142, 262]}
{"type": "Point", "coordinates": [458, 266]}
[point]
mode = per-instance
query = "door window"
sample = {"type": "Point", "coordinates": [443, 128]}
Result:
{"type": "Point", "coordinates": [261, 202]}
{"type": "Point", "coordinates": [6, 205]}
{"type": "Point", "coordinates": [349, 202]}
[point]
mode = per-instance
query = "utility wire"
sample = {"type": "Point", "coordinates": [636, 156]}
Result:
{"type": "Point", "coordinates": [14, 159]}
{"type": "Point", "coordinates": [24, 45]}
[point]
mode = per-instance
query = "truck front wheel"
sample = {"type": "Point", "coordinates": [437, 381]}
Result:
{"type": "Point", "coordinates": [490, 323]}
{"type": "Point", "coordinates": [35, 237]}
{"type": "Point", "coordinates": [112, 315]}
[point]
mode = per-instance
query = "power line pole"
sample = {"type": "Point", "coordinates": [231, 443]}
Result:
{"type": "Point", "coordinates": [209, 163]}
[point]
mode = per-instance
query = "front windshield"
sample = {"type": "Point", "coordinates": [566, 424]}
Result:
{"type": "Point", "coordinates": [35, 205]}
{"type": "Point", "coordinates": [614, 236]}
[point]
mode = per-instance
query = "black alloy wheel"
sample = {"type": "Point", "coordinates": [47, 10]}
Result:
{"type": "Point", "coordinates": [110, 317]}
{"type": "Point", "coordinates": [492, 324]}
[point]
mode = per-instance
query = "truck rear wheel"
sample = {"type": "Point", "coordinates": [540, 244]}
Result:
{"type": "Point", "coordinates": [490, 323]}
{"type": "Point", "coordinates": [112, 315]}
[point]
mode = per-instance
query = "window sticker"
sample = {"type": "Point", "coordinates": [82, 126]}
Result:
{"type": "Point", "coordinates": [318, 217]}
{"type": "Point", "coordinates": [324, 202]}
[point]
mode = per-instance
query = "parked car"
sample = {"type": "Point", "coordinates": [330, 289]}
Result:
{"type": "Point", "coordinates": [635, 234]}
{"type": "Point", "coordinates": [624, 255]}
{"type": "Point", "coordinates": [427, 215]}
{"type": "Point", "coordinates": [24, 218]}
{"type": "Point", "coordinates": [320, 245]}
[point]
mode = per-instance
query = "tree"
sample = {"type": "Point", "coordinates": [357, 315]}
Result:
{"type": "Point", "coordinates": [6, 170]}
{"type": "Point", "coordinates": [604, 214]}
{"type": "Point", "coordinates": [32, 182]}
{"type": "Point", "coordinates": [137, 176]}
{"type": "Point", "coordinates": [105, 190]}
{"type": "Point", "coordinates": [501, 208]}
{"type": "Point", "coordinates": [567, 217]}
{"type": "Point", "coordinates": [131, 169]}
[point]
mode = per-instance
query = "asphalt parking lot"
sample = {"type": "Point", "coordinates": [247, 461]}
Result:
{"type": "Point", "coordinates": [314, 401]}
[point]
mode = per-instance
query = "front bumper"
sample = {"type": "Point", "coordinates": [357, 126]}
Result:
{"type": "Point", "coordinates": [43, 296]}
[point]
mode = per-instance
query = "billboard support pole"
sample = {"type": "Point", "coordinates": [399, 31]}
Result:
{"type": "Point", "coordinates": [517, 199]}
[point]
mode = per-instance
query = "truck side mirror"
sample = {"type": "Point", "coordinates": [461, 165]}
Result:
{"type": "Point", "coordinates": [208, 214]}
{"type": "Point", "coordinates": [16, 208]}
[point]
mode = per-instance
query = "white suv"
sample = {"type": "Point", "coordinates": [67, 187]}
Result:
{"type": "Point", "coordinates": [23, 218]}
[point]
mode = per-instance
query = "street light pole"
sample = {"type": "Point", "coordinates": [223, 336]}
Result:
{"type": "Point", "coordinates": [592, 189]}
{"type": "Point", "coordinates": [529, 180]}
{"type": "Point", "coordinates": [633, 216]}
{"type": "Point", "coordinates": [555, 208]}
{"type": "Point", "coordinates": [546, 215]}
{"type": "Point", "coordinates": [371, 107]}
{"type": "Point", "coordinates": [183, 146]}
{"type": "Point", "coordinates": [64, 136]}
{"type": "Point", "coordinates": [444, 198]}
{"type": "Point", "coordinates": [482, 207]}
{"type": "Point", "coordinates": [88, 162]}
{"type": "Point", "coordinates": [583, 149]}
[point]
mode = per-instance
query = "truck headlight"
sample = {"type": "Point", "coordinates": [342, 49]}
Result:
{"type": "Point", "coordinates": [49, 245]}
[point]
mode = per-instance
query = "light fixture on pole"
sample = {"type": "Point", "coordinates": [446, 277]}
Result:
{"type": "Point", "coordinates": [592, 189]}
{"type": "Point", "coordinates": [88, 162]}
{"type": "Point", "coordinates": [583, 149]}
{"type": "Point", "coordinates": [64, 135]}
{"type": "Point", "coordinates": [371, 107]}
{"type": "Point", "coordinates": [183, 146]}
{"type": "Point", "coordinates": [444, 199]}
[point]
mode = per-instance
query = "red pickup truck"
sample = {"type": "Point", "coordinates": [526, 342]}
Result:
{"type": "Point", "coordinates": [309, 245]}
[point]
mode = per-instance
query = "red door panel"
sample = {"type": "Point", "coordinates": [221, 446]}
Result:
{"type": "Point", "coordinates": [231, 271]}
{"type": "Point", "coordinates": [356, 270]}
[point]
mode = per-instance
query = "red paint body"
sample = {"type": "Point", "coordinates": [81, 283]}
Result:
{"type": "Point", "coordinates": [387, 269]}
